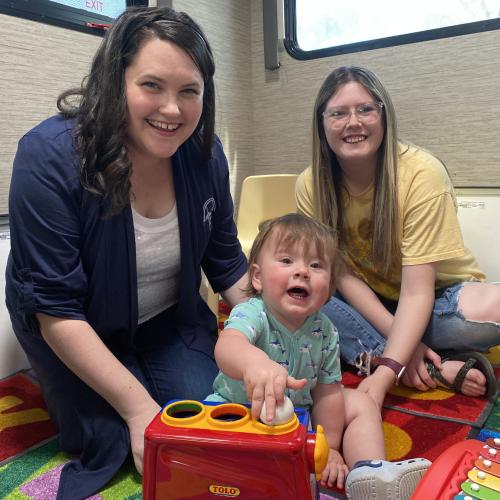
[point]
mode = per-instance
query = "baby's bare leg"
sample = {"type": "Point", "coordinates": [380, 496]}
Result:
{"type": "Point", "coordinates": [363, 435]}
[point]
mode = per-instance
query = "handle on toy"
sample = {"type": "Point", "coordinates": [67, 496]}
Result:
{"type": "Point", "coordinates": [317, 451]}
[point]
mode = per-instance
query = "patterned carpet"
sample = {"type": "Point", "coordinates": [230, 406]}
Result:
{"type": "Point", "coordinates": [424, 424]}
{"type": "Point", "coordinates": [415, 424]}
{"type": "Point", "coordinates": [30, 458]}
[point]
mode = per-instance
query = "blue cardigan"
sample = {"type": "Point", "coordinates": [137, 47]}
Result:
{"type": "Point", "coordinates": [69, 260]}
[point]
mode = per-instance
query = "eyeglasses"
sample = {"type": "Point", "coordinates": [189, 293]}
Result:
{"type": "Point", "coordinates": [368, 112]}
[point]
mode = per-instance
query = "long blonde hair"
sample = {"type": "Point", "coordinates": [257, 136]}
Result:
{"type": "Point", "coordinates": [327, 174]}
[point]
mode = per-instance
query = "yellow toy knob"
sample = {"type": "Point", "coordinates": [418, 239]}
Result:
{"type": "Point", "coordinates": [321, 450]}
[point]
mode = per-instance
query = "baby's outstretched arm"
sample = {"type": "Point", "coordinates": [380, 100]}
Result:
{"type": "Point", "coordinates": [264, 379]}
{"type": "Point", "coordinates": [329, 411]}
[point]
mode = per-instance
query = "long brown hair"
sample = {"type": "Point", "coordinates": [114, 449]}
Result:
{"type": "Point", "coordinates": [327, 174]}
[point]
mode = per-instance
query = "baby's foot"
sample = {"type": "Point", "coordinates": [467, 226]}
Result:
{"type": "Point", "coordinates": [380, 480]}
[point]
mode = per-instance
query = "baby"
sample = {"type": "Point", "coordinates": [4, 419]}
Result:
{"type": "Point", "coordinates": [279, 343]}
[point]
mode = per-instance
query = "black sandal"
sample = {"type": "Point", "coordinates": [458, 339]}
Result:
{"type": "Point", "coordinates": [471, 360]}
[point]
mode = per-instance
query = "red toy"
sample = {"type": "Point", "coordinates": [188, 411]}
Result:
{"type": "Point", "coordinates": [201, 451]}
{"type": "Point", "coordinates": [470, 466]}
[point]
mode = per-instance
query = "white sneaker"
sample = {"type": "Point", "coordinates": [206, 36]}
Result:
{"type": "Point", "coordinates": [382, 480]}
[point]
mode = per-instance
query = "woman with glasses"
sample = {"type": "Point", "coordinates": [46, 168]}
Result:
{"type": "Point", "coordinates": [116, 204]}
{"type": "Point", "coordinates": [411, 302]}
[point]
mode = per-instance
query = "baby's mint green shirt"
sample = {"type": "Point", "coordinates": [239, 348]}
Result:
{"type": "Point", "coordinates": [311, 352]}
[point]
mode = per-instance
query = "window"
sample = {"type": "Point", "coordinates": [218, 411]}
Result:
{"type": "Point", "coordinates": [82, 15]}
{"type": "Point", "coordinates": [320, 28]}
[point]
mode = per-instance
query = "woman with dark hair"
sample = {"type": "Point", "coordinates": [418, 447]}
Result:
{"type": "Point", "coordinates": [116, 204]}
{"type": "Point", "coordinates": [407, 285]}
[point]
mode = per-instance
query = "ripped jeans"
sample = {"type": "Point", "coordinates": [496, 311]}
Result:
{"type": "Point", "coordinates": [447, 330]}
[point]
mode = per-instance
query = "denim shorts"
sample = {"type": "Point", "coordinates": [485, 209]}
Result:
{"type": "Point", "coordinates": [447, 330]}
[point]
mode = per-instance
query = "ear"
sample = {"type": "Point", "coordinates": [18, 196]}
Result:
{"type": "Point", "coordinates": [255, 274]}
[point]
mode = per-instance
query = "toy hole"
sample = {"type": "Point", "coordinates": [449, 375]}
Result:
{"type": "Point", "coordinates": [229, 415]}
{"type": "Point", "coordinates": [184, 410]}
{"type": "Point", "coordinates": [183, 413]}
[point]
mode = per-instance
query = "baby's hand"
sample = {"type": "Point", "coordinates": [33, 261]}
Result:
{"type": "Point", "coordinates": [335, 469]}
{"type": "Point", "coordinates": [283, 413]}
{"type": "Point", "coordinates": [267, 382]}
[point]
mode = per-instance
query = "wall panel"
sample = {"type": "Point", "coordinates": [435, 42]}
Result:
{"type": "Point", "coordinates": [37, 62]}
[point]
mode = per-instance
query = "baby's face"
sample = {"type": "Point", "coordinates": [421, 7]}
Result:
{"type": "Point", "coordinates": [293, 281]}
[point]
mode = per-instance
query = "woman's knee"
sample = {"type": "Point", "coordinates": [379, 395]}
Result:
{"type": "Point", "coordinates": [480, 302]}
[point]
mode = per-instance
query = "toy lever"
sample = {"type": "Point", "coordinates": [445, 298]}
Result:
{"type": "Point", "coordinates": [317, 451]}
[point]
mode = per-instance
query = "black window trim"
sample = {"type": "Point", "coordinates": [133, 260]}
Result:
{"type": "Point", "coordinates": [296, 52]}
{"type": "Point", "coordinates": [60, 15]}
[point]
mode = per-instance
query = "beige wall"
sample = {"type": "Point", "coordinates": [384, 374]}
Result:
{"type": "Point", "coordinates": [447, 92]}
{"type": "Point", "coordinates": [37, 62]}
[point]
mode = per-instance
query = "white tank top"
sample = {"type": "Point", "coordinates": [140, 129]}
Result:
{"type": "Point", "coordinates": [158, 256]}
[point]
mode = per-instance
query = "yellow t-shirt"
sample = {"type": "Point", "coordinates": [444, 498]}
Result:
{"type": "Point", "coordinates": [428, 225]}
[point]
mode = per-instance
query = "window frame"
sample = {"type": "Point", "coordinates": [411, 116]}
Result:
{"type": "Point", "coordinates": [293, 48]}
{"type": "Point", "coordinates": [64, 16]}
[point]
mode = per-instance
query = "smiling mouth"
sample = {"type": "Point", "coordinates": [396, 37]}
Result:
{"type": "Point", "coordinates": [298, 293]}
{"type": "Point", "coordinates": [354, 139]}
{"type": "Point", "coordinates": [170, 127]}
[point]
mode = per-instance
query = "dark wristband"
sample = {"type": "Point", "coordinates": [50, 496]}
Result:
{"type": "Point", "coordinates": [394, 365]}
